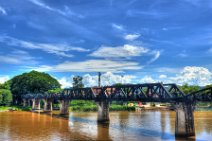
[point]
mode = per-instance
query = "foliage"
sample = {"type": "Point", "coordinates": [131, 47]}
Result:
{"type": "Point", "coordinates": [83, 105]}
{"type": "Point", "coordinates": [208, 86]}
{"type": "Point", "coordinates": [77, 82]}
{"type": "Point", "coordinates": [5, 97]}
{"type": "Point", "coordinates": [57, 90]}
{"type": "Point", "coordinates": [15, 108]}
{"type": "Point", "coordinates": [189, 89]}
{"type": "Point", "coordinates": [32, 82]}
{"type": "Point", "coordinates": [115, 107]}
{"type": "Point", "coordinates": [118, 84]}
{"type": "Point", "coordinates": [5, 85]}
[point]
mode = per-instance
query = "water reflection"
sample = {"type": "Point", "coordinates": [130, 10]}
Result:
{"type": "Point", "coordinates": [152, 125]}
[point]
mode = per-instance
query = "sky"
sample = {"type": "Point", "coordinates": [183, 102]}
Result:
{"type": "Point", "coordinates": [128, 41]}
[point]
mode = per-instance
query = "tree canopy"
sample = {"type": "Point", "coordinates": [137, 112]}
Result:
{"type": "Point", "coordinates": [189, 89]}
{"type": "Point", "coordinates": [5, 97]}
{"type": "Point", "coordinates": [32, 82]}
{"type": "Point", "coordinates": [77, 82]}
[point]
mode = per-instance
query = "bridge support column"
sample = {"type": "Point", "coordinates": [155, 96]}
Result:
{"type": "Point", "coordinates": [28, 102]}
{"type": "Point", "coordinates": [35, 104]}
{"type": "Point", "coordinates": [103, 111]}
{"type": "Point", "coordinates": [24, 102]}
{"type": "Point", "coordinates": [184, 123]}
{"type": "Point", "coordinates": [47, 105]}
{"type": "Point", "coordinates": [64, 107]}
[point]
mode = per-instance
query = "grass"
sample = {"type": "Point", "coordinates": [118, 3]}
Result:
{"type": "Point", "coordinates": [84, 106]}
{"type": "Point", "coordinates": [15, 108]}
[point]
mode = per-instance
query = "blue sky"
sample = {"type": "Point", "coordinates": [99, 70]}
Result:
{"type": "Point", "coordinates": [129, 41]}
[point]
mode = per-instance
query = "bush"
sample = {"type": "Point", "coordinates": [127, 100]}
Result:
{"type": "Point", "coordinates": [114, 107]}
{"type": "Point", "coordinates": [83, 105]}
{"type": "Point", "coordinates": [5, 97]}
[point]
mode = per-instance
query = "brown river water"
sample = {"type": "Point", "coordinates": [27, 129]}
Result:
{"type": "Point", "coordinates": [138, 126]}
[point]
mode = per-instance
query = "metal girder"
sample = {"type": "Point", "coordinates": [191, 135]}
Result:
{"type": "Point", "coordinates": [203, 95]}
{"type": "Point", "coordinates": [149, 92]}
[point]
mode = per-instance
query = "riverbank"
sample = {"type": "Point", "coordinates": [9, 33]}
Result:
{"type": "Point", "coordinates": [14, 108]}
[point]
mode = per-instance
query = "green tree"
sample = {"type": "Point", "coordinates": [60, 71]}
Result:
{"type": "Point", "coordinates": [5, 97]}
{"type": "Point", "coordinates": [208, 86]}
{"type": "Point", "coordinates": [32, 82]}
{"type": "Point", "coordinates": [189, 89]}
{"type": "Point", "coordinates": [5, 85]}
{"type": "Point", "coordinates": [77, 82]}
{"type": "Point", "coordinates": [53, 91]}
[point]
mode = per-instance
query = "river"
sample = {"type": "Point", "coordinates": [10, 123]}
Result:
{"type": "Point", "coordinates": [138, 126]}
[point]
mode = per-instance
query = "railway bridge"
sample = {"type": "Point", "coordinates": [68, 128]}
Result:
{"type": "Point", "coordinates": [149, 92]}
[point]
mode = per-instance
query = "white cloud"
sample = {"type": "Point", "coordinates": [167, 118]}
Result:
{"type": "Point", "coordinates": [167, 70]}
{"type": "Point", "coordinates": [66, 12]}
{"type": "Point", "coordinates": [89, 80]}
{"type": "Point", "coordinates": [18, 57]}
{"type": "Point", "coordinates": [156, 56]}
{"type": "Point", "coordinates": [191, 75]}
{"type": "Point", "coordinates": [91, 66]}
{"type": "Point", "coordinates": [131, 37]}
{"type": "Point", "coordinates": [66, 82]}
{"type": "Point", "coordinates": [194, 76]}
{"type": "Point", "coordinates": [4, 79]}
{"type": "Point", "coordinates": [147, 79]}
{"type": "Point", "coordinates": [3, 11]}
{"type": "Point", "coordinates": [162, 76]}
{"type": "Point", "coordinates": [116, 26]}
{"type": "Point", "coordinates": [120, 51]}
{"type": "Point", "coordinates": [107, 78]}
{"type": "Point", "coordinates": [58, 49]}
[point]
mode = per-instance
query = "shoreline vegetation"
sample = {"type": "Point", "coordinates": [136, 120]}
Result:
{"type": "Point", "coordinates": [90, 106]}
{"type": "Point", "coordinates": [14, 108]}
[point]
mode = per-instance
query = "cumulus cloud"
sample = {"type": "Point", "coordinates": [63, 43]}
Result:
{"type": "Point", "coordinates": [91, 66]}
{"type": "Point", "coordinates": [147, 79]}
{"type": "Point", "coordinates": [107, 78]}
{"type": "Point", "coordinates": [58, 49]}
{"type": "Point", "coordinates": [120, 51]}
{"type": "Point", "coordinates": [194, 76]}
{"type": "Point", "coordinates": [191, 75]}
{"type": "Point", "coordinates": [4, 79]}
{"type": "Point", "coordinates": [131, 37]}
{"type": "Point", "coordinates": [3, 11]}
{"type": "Point", "coordinates": [162, 76]}
{"type": "Point", "coordinates": [66, 82]}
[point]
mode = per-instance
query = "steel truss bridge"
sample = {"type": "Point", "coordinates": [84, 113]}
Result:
{"type": "Point", "coordinates": [149, 92]}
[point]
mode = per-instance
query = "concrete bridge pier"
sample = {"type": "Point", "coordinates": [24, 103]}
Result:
{"type": "Point", "coordinates": [24, 102]}
{"type": "Point", "coordinates": [47, 105]}
{"type": "Point", "coordinates": [36, 104]}
{"type": "Point", "coordinates": [103, 111]}
{"type": "Point", "coordinates": [184, 123]}
{"type": "Point", "coordinates": [29, 102]}
{"type": "Point", "coordinates": [64, 107]}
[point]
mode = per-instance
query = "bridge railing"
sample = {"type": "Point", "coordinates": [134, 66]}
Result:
{"type": "Point", "coordinates": [150, 92]}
